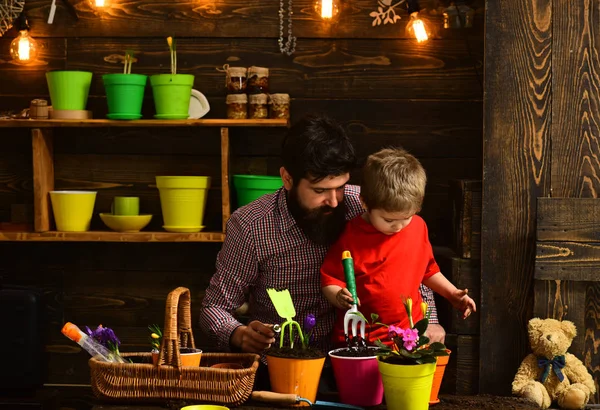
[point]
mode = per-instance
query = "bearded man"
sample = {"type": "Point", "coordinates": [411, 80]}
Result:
{"type": "Point", "coordinates": [280, 241]}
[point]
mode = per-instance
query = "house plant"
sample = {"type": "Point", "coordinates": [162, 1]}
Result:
{"type": "Point", "coordinates": [189, 356]}
{"type": "Point", "coordinates": [356, 372]}
{"type": "Point", "coordinates": [407, 366]}
{"type": "Point", "coordinates": [172, 92]}
{"type": "Point", "coordinates": [294, 365]}
{"type": "Point", "coordinates": [125, 91]}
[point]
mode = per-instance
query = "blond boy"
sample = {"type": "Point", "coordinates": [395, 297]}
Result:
{"type": "Point", "coordinates": [390, 247]}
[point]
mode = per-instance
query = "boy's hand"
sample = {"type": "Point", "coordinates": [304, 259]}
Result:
{"type": "Point", "coordinates": [461, 301]}
{"type": "Point", "coordinates": [344, 299]}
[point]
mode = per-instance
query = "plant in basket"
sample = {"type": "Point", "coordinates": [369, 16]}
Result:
{"type": "Point", "coordinates": [294, 365]}
{"type": "Point", "coordinates": [408, 366]}
{"type": "Point", "coordinates": [155, 339]}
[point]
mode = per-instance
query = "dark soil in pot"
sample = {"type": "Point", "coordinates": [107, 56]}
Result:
{"type": "Point", "coordinates": [288, 352]}
{"type": "Point", "coordinates": [356, 352]}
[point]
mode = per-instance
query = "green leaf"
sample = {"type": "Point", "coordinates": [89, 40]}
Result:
{"type": "Point", "coordinates": [410, 355]}
{"type": "Point", "coordinates": [360, 315]}
{"type": "Point", "coordinates": [382, 324]}
{"type": "Point", "coordinates": [374, 317]}
{"type": "Point", "coordinates": [426, 359]}
{"type": "Point", "coordinates": [437, 346]}
{"type": "Point", "coordinates": [421, 326]}
{"type": "Point", "coordinates": [381, 345]}
{"type": "Point", "coordinates": [423, 340]}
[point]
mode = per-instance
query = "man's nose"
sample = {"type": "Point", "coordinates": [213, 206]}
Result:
{"type": "Point", "coordinates": [332, 200]}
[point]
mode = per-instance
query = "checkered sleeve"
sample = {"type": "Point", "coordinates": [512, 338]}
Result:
{"type": "Point", "coordinates": [427, 295]}
{"type": "Point", "coordinates": [236, 270]}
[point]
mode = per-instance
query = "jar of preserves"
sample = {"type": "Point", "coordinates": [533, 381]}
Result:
{"type": "Point", "coordinates": [236, 80]}
{"type": "Point", "coordinates": [280, 106]}
{"type": "Point", "coordinates": [258, 107]}
{"type": "Point", "coordinates": [258, 80]}
{"type": "Point", "coordinates": [237, 106]}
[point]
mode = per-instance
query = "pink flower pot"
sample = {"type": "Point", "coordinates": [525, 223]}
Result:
{"type": "Point", "coordinates": [358, 379]}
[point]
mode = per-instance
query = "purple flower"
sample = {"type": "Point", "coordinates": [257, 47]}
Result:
{"type": "Point", "coordinates": [105, 336]}
{"type": "Point", "coordinates": [309, 322]}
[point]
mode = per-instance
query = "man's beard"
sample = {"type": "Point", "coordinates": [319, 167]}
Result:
{"type": "Point", "coordinates": [322, 225]}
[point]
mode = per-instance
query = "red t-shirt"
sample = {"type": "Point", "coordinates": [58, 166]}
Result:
{"type": "Point", "coordinates": [387, 268]}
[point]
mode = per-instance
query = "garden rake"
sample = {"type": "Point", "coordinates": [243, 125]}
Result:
{"type": "Point", "coordinates": [282, 300]}
{"type": "Point", "coordinates": [352, 314]}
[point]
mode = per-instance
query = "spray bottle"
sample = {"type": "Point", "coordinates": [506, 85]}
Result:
{"type": "Point", "coordinates": [90, 345]}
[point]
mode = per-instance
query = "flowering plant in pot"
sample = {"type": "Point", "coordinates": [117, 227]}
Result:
{"type": "Point", "coordinates": [125, 91]}
{"type": "Point", "coordinates": [407, 366]}
{"type": "Point", "coordinates": [172, 92]}
{"type": "Point", "coordinates": [189, 356]}
{"type": "Point", "coordinates": [294, 365]}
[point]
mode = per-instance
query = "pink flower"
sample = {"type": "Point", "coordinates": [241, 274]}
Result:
{"type": "Point", "coordinates": [395, 331]}
{"type": "Point", "coordinates": [410, 338]}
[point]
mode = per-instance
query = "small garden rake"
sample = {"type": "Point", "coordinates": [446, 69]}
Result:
{"type": "Point", "coordinates": [352, 314]}
{"type": "Point", "coordinates": [282, 300]}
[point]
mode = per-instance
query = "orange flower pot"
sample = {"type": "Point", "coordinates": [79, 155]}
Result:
{"type": "Point", "coordinates": [440, 368]}
{"type": "Point", "coordinates": [189, 357]}
{"type": "Point", "coordinates": [295, 376]}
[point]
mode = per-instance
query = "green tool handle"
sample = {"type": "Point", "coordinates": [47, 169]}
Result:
{"type": "Point", "coordinates": [348, 265]}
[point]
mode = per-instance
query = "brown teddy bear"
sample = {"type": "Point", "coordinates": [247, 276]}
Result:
{"type": "Point", "coordinates": [550, 373]}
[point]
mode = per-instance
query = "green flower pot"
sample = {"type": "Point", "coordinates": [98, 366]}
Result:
{"type": "Point", "coordinates": [124, 95]}
{"type": "Point", "coordinates": [172, 94]}
{"type": "Point", "coordinates": [251, 187]}
{"type": "Point", "coordinates": [69, 89]}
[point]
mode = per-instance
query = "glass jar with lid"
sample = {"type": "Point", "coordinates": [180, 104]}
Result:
{"type": "Point", "coordinates": [257, 106]}
{"type": "Point", "coordinates": [237, 106]}
{"type": "Point", "coordinates": [236, 80]}
{"type": "Point", "coordinates": [258, 80]}
{"type": "Point", "coordinates": [280, 106]}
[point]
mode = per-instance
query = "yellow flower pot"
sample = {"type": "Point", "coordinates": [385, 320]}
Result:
{"type": "Point", "coordinates": [73, 210]}
{"type": "Point", "coordinates": [183, 201]}
{"type": "Point", "coordinates": [406, 386]}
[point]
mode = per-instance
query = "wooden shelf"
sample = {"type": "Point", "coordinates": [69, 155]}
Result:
{"type": "Point", "coordinates": [108, 236]}
{"type": "Point", "coordinates": [141, 123]}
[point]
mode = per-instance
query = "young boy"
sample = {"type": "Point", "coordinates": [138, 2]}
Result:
{"type": "Point", "coordinates": [390, 248]}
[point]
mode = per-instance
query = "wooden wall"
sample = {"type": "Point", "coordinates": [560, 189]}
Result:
{"type": "Point", "coordinates": [385, 89]}
{"type": "Point", "coordinates": [541, 139]}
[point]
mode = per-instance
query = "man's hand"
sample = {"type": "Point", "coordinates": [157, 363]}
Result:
{"type": "Point", "coordinates": [435, 333]}
{"type": "Point", "coordinates": [253, 338]}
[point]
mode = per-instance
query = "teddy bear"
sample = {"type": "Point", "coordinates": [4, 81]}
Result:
{"type": "Point", "coordinates": [550, 373]}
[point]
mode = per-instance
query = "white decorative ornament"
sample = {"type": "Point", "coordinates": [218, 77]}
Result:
{"type": "Point", "coordinates": [286, 47]}
{"type": "Point", "coordinates": [385, 12]}
{"type": "Point", "coordinates": [9, 11]}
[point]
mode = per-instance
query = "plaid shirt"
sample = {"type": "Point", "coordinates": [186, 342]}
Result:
{"type": "Point", "coordinates": [265, 248]}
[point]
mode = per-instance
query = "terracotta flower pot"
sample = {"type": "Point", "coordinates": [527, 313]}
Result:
{"type": "Point", "coordinates": [438, 376]}
{"type": "Point", "coordinates": [189, 357]}
{"type": "Point", "coordinates": [295, 376]}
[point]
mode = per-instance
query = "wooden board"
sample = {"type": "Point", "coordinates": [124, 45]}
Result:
{"type": "Point", "coordinates": [43, 177]}
{"type": "Point", "coordinates": [465, 197]}
{"type": "Point", "coordinates": [358, 68]}
{"type": "Point", "coordinates": [236, 18]}
{"type": "Point", "coordinates": [517, 115]}
{"type": "Point", "coordinates": [95, 123]}
{"type": "Point", "coordinates": [462, 372]}
{"type": "Point", "coordinates": [110, 236]}
{"type": "Point", "coordinates": [568, 219]}
{"type": "Point", "coordinates": [464, 274]}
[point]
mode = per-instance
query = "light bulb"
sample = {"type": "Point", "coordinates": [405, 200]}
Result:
{"type": "Point", "coordinates": [327, 9]}
{"type": "Point", "coordinates": [416, 27]}
{"type": "Point", "coordinates": [23, 49]}
{"type": "Point", "coordinates": [98, 3]}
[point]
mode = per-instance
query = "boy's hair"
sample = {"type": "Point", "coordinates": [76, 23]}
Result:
{"type": "Point", "coordinates": [317, 147]}
{"type": "Point", "coordinates": [393, 180]}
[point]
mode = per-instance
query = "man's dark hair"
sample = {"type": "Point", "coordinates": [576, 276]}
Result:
{"type": "Point", "coordinates": [316, 147]}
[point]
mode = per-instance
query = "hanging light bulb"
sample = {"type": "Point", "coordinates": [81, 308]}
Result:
{"type": "Point", "coordinates": [416, 26]}
{"type": "Point", "coordinates": [100, 3]}
{"type": "Point", "coordinates": [327, 9]}
{"type": "Point", "coordinates": [23, 49]}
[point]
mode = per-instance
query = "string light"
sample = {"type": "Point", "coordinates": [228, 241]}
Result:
{"type": "Point", "coordinates": [23, 49]}
{"type": "Point", "coordinates": [416, 26]}
{"type": "Point", "coordinates": [327, 9]}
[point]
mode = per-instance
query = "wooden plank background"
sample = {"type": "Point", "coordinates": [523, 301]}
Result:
{"type": "Point", "coordinates": [383, 87]}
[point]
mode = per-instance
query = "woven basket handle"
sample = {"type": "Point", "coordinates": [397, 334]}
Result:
{"type": "Point", "coordinates": [178, 327]}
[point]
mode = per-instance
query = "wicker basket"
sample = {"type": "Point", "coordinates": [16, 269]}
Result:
{"type": "Point", "coordinates": [169, 380]}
